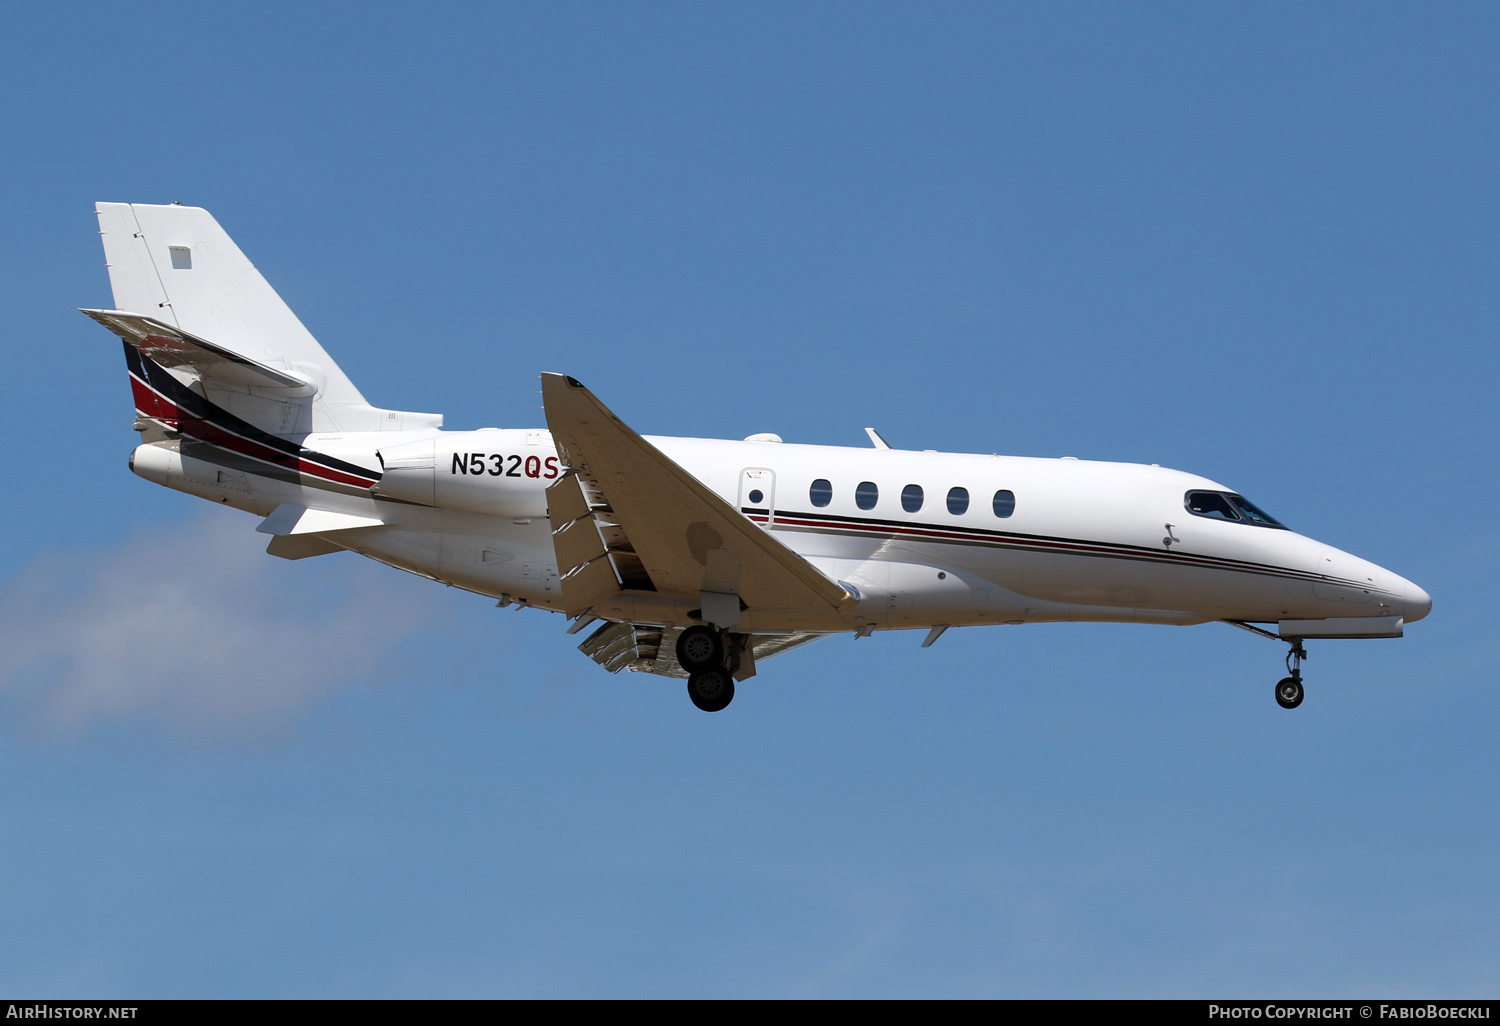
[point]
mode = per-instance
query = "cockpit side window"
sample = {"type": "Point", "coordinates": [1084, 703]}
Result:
{"type": "Point", "coordinates": [1213, 505]}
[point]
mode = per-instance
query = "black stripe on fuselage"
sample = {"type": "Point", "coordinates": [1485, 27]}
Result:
{"type": "Point", "coordinates": [866, 527]}
{"type": "Point", "coordinates": [291, 455]}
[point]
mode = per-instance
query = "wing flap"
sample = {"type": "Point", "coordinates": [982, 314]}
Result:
{"type": "Point", "coordinates": [643, 648]}
{"type": "Point", "coordinates": [577, 543]}
{"type": "Point", "coordinates": [587, 573]}
{"type": "Point", "coordinates": [689, 540]}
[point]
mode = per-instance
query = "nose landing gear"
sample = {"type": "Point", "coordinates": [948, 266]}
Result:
{"type": "Point", "coordinates": [1289, 689]}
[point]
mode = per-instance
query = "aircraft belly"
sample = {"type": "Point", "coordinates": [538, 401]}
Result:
{"type": "Point", "coordinates": [500, 556]}
{"type": "Point", "coordinates": [414, 550]}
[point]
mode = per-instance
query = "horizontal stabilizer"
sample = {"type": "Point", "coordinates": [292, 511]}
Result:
{"type": "Point", "coordinates": [172, 348]}
{"type": "Point", "coordinates": [288, 519]}
{"type": "Point", "coordinates": [302, 546]}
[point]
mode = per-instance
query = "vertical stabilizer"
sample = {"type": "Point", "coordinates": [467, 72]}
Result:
{"type": "Point", "coordinates": [176, 265]}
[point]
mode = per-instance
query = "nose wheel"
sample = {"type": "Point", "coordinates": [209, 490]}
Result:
{"type": "Point", "coordinates": [1289, 689]}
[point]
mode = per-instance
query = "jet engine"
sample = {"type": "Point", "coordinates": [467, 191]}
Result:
{"type": "Point", "coordinates": [494, 472]}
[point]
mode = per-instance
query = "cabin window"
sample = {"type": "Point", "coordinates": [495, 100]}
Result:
{"type": "Point", "coordinates": [182, 257]}
{"type": "Point", "coordinates": [1005, 503]}
{"type": "Point", "coordinates": [756, 496]}
{"type": "Point", "coordinates": [1212, 505]}
{"type": "Point", "coordinates": [866, 495]}
{"type": "Point", "coordinates": [821, 493]}
{"type": "Point", "coordinates": [911, 498]}
{"type": "Point", "coordinates": [958, 501]}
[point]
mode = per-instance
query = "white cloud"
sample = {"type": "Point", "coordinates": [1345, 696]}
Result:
{"type": "Point", "coordinates": [195, 625]}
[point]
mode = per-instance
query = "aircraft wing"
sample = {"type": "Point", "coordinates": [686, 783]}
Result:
{"type": "Point", "coordinates": [172, 348]}
{"type": "Point", "coordinates": [688, 540]}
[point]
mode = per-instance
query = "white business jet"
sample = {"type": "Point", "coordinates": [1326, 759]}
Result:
{"type": "Point", "coordinates": [695, 558]}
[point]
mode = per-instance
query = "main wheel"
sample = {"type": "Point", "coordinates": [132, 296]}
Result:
{"type": "Point", "coordinates": [1289, 692]}
{"type": "Point", "coordinates": [711, 690]}
{"type": "Point", "coordinates": [700, 649]}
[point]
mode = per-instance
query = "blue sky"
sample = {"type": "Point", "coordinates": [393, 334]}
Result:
{"type": "Point", "coordinates": [1257, 243]}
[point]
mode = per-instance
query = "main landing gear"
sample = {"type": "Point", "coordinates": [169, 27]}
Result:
{"type": "Point", "coordinates": [1289, 689]}
{"type": "Point", "coordinates": [711, 690]}
{"type": "Point", "coordinates": [701, 652]}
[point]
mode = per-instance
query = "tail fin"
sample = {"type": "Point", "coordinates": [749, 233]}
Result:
{"type": "Point", "coordinates": [174, 264]}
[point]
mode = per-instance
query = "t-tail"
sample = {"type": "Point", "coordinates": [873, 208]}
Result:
{"type": "Point", "coordinates": [212, 350]}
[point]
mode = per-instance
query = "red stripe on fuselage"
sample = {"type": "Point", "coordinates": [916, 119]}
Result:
{"type": "Point", "coordinates": [333, 475]}
{"type": "Point", "coordinates": [153, 404]}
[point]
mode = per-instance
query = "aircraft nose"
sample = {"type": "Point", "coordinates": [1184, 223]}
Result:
{"type": "Point", "coordinates": [1418, 602]}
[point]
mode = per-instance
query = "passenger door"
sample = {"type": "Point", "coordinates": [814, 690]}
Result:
{"type": "Point", "coordinates": [758, 492]}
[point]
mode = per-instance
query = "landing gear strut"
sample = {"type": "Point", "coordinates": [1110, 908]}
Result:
{"type": "Point", "coordinates": [1289, 689]}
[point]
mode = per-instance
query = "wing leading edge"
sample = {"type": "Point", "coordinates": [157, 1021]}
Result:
{"type": "Point", "coordinates": [687, 539]}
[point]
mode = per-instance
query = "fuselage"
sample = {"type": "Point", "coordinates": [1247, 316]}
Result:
{"type": "Point", "coordinates": [923, 538]}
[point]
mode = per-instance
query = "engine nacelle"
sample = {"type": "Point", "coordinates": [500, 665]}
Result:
{"type": "Point", "coordinates": [163, 463]}
{"type": "Point", "coordinates": [495, 472]}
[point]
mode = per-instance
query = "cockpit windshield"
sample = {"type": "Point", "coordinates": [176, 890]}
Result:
{"type": "Point", "coordinates": [1229, 506]}
{"type": "Point", "coordinates": [1254, 513]}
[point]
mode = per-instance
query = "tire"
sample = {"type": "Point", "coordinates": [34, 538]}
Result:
{"type": "Point", "coordinates": [1289, 692]}
{"type": "Point", "coordinates": [700, 649]}
{"type": "Point", "coordinates": [711, 690]}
